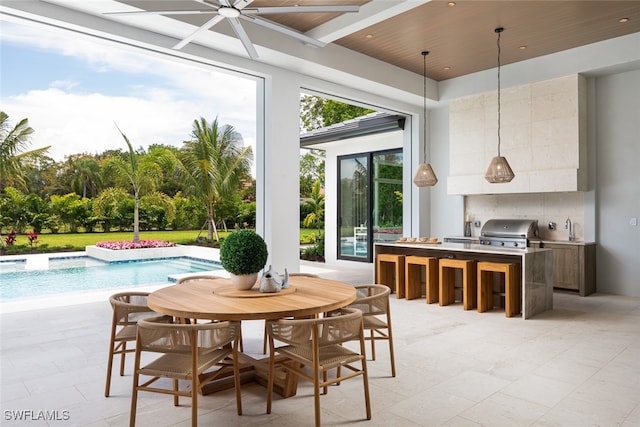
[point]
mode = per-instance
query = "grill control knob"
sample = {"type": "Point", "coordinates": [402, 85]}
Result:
{"type": "Point", "coordinates": [515, 244]}
{"type": "Point", "coordinates": [501, 243]}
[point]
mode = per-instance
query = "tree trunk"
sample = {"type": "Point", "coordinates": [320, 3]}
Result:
{"type": "Point", "coordinates": [136, 225]}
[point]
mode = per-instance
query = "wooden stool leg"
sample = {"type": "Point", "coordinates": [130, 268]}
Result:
{"type": "Point", "coordinates": [399, 283]}
{"type": "Point", "coordinates": [469, 288]}
{"type": "Point", "coordinates": [447, 284]}
{"type": "Point", "coordinates": [431, 277]}
{"type": "Point", "coordinates": [413, 273]}
{"type": "Point", "coordinates": [385, 275]}
{"type": "Point", "coordinates": [512, 292]}
{"type": "Point", "coordinates": [485, 291]}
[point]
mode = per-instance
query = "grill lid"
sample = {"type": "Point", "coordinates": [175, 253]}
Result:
{"type": "Point", "coordinates": [512, 228]}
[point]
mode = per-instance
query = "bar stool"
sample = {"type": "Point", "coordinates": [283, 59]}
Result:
{"type": "Point", "coordinates": [511, 286]}
{"type": "Point", "coordinates": [413, 273]}
{"type": "Point", "coordinates": [448, 278]}
{"type": "Point", "coordinates": [390, 272]}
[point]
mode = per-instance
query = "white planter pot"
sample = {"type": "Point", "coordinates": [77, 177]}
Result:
{"type": "Point", "coordinates": [244, 281]}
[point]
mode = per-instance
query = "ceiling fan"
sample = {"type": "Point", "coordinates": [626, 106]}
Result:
{"type": "Point", "coordinates": [234, 12]}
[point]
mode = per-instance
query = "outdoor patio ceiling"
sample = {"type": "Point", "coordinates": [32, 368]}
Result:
{"type": "Point", "coordinates": [457, 34]}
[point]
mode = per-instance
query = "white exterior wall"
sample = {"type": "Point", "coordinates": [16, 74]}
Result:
{"type": "Point", "coordinates": [618, 183]}
{"type": "Point", "coordinates": [277, 170]}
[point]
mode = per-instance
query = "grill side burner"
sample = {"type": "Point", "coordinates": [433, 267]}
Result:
{"type": "Point", "coordinates": [514, 233]}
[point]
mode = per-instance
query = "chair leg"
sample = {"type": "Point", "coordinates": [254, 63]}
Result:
{"type": "Point", "coordinates": [176, 396]}
{"type": "Point", "coordinates": [123, 349]}
{"type": "Point", "coordinates": [316, 395]}
{"type": "Point", "coordinates": [365, 378]}
{"type": "Point", "coordinates": [236, 378]}
{"type": "Point", "coordinates": [272, 363]}
{"type": "Point", "coordinates": [195, 387]}
{"type": "Point", "coordinates": [107, 387]}
{"type": "Point", "coordinates": [134, 392]}
{"type": "Point", "coordinates": [365, 383]}
{"type": "Point", "coordinates": [264, 340]}
{"type": "Point", "coordinates": [373, 344]}
{"type": "Point", "coordinates": [391, 352]}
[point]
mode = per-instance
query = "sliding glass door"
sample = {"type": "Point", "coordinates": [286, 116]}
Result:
{"type": "Point", "coordinates": [369, 202]}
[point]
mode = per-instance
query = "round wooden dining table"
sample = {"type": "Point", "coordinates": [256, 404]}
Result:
{"type": "Point", "coordinates": [217, 299]}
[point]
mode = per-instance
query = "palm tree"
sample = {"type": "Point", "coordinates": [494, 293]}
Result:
{"type": "Point", "coordinates": [142, 176]}
{"type": "Point", "coordinates": [213, 165]}
{"type": "Point", "coordinates": [13, 151]}
{"type": "Point", "coordinates": [86, 175]}
{"type": "Point", "coordinates": [316, 207]}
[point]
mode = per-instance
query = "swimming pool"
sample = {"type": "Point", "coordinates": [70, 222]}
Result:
{"type": "Point", "coordinates": [74, 274]}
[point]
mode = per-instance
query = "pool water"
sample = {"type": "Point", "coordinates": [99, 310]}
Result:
{"type": "Point", "coordinates": [87, 274]}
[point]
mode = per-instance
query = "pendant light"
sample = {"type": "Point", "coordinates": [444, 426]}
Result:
{"type": "Point", "coordinates": [424, 175]}
{"type": "Point", "coordinates": [499, 171]}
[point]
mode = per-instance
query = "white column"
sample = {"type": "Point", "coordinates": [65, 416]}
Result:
{"type": "Point", "coordinates": [277, 170]}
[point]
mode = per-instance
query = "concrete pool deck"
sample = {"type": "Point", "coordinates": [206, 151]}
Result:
{"type": "Point", "coordinates": [576, 365]}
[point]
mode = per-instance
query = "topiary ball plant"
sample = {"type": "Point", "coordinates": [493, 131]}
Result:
{"type": "Point", "coordinates": [243, 252]}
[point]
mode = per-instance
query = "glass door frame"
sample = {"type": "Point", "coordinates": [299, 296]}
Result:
{"type": "Point", "coordinates": [370, 155]}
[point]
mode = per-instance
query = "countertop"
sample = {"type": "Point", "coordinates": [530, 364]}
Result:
{"type": "Point", "coordinates": [568, 242]}
{"type": "Point", "coordinates": [476, 239]}
{"type": "Point", "coordinates": [466, 247]}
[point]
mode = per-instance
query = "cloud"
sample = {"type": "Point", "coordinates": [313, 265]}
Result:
{"type": "Point", "coordinates": [160, 112]}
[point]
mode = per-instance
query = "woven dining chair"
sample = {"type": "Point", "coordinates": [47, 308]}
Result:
{"type": "Point", "coordinates": [373, 301]}
{"type": "Point", "coordinates": [186, 352]}
{"type": "Point", "coordinates": [317, 343]}
{"type": "Point", "coordinates": [128, 308]}
{"type": "Point", "coordinates": [264, 340]}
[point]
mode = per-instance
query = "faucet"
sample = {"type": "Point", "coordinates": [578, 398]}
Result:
{"type": "Point", "coordinates": [567, 226]}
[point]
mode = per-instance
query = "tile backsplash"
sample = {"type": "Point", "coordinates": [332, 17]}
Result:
{"type": "Point", "coordinates": [545, 207]}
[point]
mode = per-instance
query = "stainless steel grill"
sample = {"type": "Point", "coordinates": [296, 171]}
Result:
{"type": "Point", "coordinates": [514, 233]}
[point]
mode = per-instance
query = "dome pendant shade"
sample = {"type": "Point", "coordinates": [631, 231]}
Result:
{"type": "Point", "coordinates": [499, 171]}
{"type": "Point", "coordinates": [425, 176]}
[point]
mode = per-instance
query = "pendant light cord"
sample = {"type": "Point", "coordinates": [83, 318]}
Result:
{"type": "Point", "coordinates": [424, 103]}
{"type": "Point", "coordinates": [499, 30]}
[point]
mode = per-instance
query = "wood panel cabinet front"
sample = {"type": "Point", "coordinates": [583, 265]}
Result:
{"type": "Point", "coordinates": [574, 267]}
{"type": "Point", "coordinates": [566, 266]}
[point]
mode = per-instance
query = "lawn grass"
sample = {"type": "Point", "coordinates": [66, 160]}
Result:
{"type": "Point", "coordinates": [48, 242]}
{"type": "Point", "coordinates": [80, 240]}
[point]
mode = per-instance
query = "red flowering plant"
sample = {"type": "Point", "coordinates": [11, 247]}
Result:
{"type": "Point", "coordinates": [33, 238]}
{"type": "Point", "coordinates": [122, 245]}
{"type": "Point", "coordinates": [11, 238]}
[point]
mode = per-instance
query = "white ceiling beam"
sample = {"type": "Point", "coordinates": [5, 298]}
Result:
{"type": "Point", "coordinates": [369, 14]}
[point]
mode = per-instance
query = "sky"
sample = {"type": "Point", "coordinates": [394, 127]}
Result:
{"type": "Point", "coordinates": [74, 90]}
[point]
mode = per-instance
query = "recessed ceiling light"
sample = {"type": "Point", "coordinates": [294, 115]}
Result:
{"type": "Point", "coordinates": [368, 36]}
{"type": "Point", "coordinates": [523, 47]}
{"type": "Point", "coordinates": [446, 68]}
{"type": "Point", "coordinates": [451, 4]}
{"type": "Point", "coordinates": [623, 20]}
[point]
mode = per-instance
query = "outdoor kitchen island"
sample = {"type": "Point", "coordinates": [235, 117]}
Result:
{"type": "Point", "coordinates": [536, 266]}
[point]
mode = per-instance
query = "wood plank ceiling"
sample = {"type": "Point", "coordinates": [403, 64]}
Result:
{"type": "Point", "coordinates": [459, 35]}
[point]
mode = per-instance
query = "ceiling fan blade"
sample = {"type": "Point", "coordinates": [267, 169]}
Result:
{"type": "Point", "coordinates": [284, 30]}
{"type": "Point", "coordinates": [244, 38]}
{"type": "Point", "coordinates": [163, 12]}
{"type": "Point", "coordinates": [210, 23]}
{"type": "Point", "coordinates": [241, 4]}
{"type": "Point", "coordinates": [301, 9]}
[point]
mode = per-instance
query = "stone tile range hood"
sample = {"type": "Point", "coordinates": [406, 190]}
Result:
{"type": "Point", "coordinates": [544, 136]}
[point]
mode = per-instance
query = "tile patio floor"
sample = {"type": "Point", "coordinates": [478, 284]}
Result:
{"type": "Point", "coordinates": [577, 365]}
